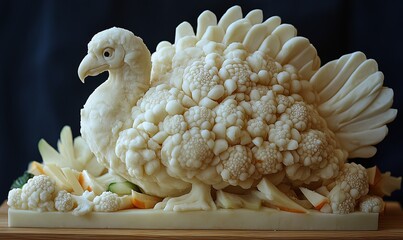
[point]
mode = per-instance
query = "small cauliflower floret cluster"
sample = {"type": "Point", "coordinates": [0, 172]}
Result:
{"type": "Point", "coordinates": [316, 158]}
{"type": "Point", "coordinates": [36, 194]}
{"type": "Point", "coordinates": [200, 117]}
{"type": "Point", "coordinates": [80, 205]}
{"type": "Point", "coordinates": [351, 184]}
{"type": "Point", "coordinates": [200, 79]}
{"type": "Point", "coordinates": [371, 204]}
{"type": "Point", "coordinates": [268, 158]}
{"type": "Point", "coordinates": [188, 154]}
{"type": "Point", "coordinates": [40, 193]}
{"type": "Point", "coordinates": [221, 114]}
{"type": "Point", "coordinates": [236, 166]}
{"type": "Point", "coordinates": [111, 202]}
{"type": "Point", "coordinates": [138, 151]}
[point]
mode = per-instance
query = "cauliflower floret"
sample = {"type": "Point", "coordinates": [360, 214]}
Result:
{"type": "Point", "coordinates": [139, 152]}
{"type": "Point", "coordinates": [284, 136]}
{"type": "Point", "coordinates": [236, 73]}
{"type": "Point", "coordinates": [350, 185]}
{"type": "Point", "coordinates": [230, 119]}
{"type": "Point", "coordinates": [81, 205]}
{"type": "Point", "coordinates": [200, 77]}
{"type": "Point", "coordinates": [174, 124]}
{"type": "Point", "coordinates": [84, 203]}
{"type": "Point", "coordinates": [341, 201]}
{"type": "Point", "coordinates": [371, 204]}
{"type": "Point", "coordinates": [315, 158]}
{"type": "Point", "coordinates": [299, 114]}
{"type": "Point", "coordinates": [265, 67]}
{"type": "Point", "coordinates": [192, 150]}
{"type": "Point", "coordinates": [236, 165]}
{"type": "Point", "coordinates": [160, 101]}
{"type": "Point", "coordinates": [268, 158]}
{"type": "Point", "coordinates": [162, 61]}
{"type": "Point", "coordinates": [257, 127]}
{"type": "Point", "coordinates": [265, 108]}
{"type": "Point", "coordinates": [283, 102]}
{"type": "Point", "coordinates": [64, 201]}
{"type": "Point", "coordinates": [258, 91]}
{"type": "Point", "coordinates": [230, 114]}
{"type": "Point", "coordinates": [111, 202]}
{"type": "Point", "coordinates": [14, 199]}
{"type": "Point", "coordinates": [106, 202]}
{"type": "Point", "coordinates": [38, 193]}
{"type": "Point", "coordinates": [313, 148]}
{"type": "Point", "coordinates": [283, 83]}
{"type": "Point", "coordinates": [200, 117]}
{"type": "Point", "coordinates": [353, 179]}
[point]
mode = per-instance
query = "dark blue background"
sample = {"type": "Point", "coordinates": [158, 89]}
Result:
{"type": "Point", "coordinates": [43, 42]}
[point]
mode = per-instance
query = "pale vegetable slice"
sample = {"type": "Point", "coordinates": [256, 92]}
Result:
{"type": "Point", "coordinates": [386, 185]}
{"type": "Point", "coordinates": [276, 178]}
{"type": "Point", "coordinates": [106, 179]}
{"type": "Point", "coordinates": [88, 182]}
{"type": "Point", "coordinates": [82, 152]}
{"type": "Point", "coordinates": [55, 172]}
{"type": "Point", "coordinates": [275, 197]}
{"type": "Point", "coordinates": [316, 199]}
{"type": "Point", "coordinates": [374, 175]}
{"type": "Point", "coordinates": [144, 201]}
{"type": "Point", "coordinates": [323, 191]}
{"type": "Point", "coordinates": [72, 177]}
{"type": "Point", "coordinates": [35, 168]}
{"type": "Point", "coordinates": [66, 147]}
{"type": "Point", "coordinates": [94, 168]}
{"type": "Point", "coordinates": [123, 188]}
{"type": "Point", "coordinates": [48, 153]}
{"type": "Point", "coordinates": [234, 201]}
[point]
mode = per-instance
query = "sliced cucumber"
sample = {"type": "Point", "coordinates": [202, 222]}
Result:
{"type": "Point", "coordinates": [19, 182]}
{"type": "Point", "coordinates": [123, 188]}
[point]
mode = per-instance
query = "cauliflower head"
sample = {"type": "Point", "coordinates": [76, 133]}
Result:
{"type": "Point", "coordinates": [37, 194]}
{"type": "Point", "coordinates": [226, 116]}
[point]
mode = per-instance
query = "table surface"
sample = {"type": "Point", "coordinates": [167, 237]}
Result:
{"type": "Point", "coordinates": [390, 227]}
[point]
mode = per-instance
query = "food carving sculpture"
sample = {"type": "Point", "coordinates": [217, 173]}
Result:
{"type": "Point", "coordinates": [239, 114]}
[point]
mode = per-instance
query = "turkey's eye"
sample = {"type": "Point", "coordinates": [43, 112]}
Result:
{"type": "Point", "coordinates": [108, 53]}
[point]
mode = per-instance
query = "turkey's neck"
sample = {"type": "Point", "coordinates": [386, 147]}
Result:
{"type": "Point", "coordinates": [128, 85]}
{"type": "Point", "coordinates": [108, 110]}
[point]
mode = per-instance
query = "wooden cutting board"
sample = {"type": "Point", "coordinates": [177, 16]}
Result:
{"type": "Point", "coordinates": [390, 227]}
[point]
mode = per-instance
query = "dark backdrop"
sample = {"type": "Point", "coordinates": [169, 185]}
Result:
{"type": "Point", "coordinates": [42, 43]}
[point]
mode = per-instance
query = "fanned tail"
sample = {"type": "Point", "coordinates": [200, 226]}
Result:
{"type": "Point", "coordinates": [279, 41]}
{"type": "Point", "coordinates": [354, 102]}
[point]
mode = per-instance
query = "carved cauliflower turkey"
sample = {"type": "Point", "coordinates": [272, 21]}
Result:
{"type": "Point", "coordinates": [238, 100]}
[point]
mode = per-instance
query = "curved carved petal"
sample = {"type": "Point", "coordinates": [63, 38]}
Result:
{"type": "Point", "coordinates": [354, 103]}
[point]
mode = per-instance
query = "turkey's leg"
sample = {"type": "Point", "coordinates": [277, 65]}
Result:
{"type": "Point", "coordinates": [199, 198]}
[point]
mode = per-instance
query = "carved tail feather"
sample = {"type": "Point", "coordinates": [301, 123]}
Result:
{"type": "Point", "coordinates": [354, 102]}
{"type": "Point", "coordinates": [279, 41]}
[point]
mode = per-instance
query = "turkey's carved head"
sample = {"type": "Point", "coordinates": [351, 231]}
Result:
{"type": "Point", "coordinates": [110, 50]}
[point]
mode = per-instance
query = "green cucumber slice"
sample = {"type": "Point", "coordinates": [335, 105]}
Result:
{"type": "Point", "coordinates": [123, 188]}
{"type": "Point", "coordinates": [19, 182]}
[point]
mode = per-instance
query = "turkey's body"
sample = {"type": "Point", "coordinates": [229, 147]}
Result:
{"type": "Point", "coordinates": [239, 100]}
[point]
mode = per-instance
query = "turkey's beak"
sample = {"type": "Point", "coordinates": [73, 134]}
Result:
{"type": "Point", "coordinates": [91, 66]}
